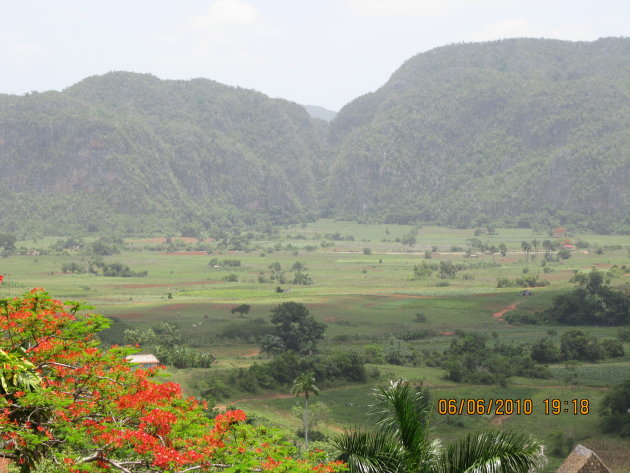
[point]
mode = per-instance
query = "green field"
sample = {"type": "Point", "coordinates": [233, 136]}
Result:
{"type": "Point", "coordinates": [365, 291]}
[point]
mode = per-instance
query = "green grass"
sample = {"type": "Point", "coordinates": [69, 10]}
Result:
{"type": "Point", "coordinates": [361, 298]}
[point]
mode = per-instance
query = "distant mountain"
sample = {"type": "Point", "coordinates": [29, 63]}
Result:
{"type": "Point", "coordinates": [515, 129]}
{"type": "Point", "coordinates": [137, 151]}
{"type": "Point", "coordinates": [320, 112]}
{"type": "Point", "coordinates": [518, 132]}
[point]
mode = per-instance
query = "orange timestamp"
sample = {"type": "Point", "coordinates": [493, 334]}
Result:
{"type": "Point", "coordinates": [503, 406]}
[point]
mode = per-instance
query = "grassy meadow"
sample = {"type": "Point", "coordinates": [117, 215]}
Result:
{"type": "Point", "coordinates": [363, 288]}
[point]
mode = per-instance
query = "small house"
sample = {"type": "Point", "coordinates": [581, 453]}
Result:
{"type": "Point", "coordinates": [143, 361]}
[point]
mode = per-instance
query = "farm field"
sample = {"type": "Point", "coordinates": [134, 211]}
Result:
{"type": "Point", "coordinates": [367, 292]}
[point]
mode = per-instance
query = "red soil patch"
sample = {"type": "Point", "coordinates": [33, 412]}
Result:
{"type": "Point", "coordinates": [175, 306]}
{"type": "Point", "coordinates": [188, 253]}
{"type": "Point", "coordinates": [507, 260]}
{"type": "Point", "coordinates": [251, 353]}
{"type": "Point", "coordinates": [409, 296]}
{"type": "Point", "coordinates": [330, 319]}
{"type": "Point", "coordinates": [501, 313]}
{"type": "Point", "coordinates": [447, 334]}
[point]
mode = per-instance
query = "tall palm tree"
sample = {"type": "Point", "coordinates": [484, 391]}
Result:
{"type": "Point", "coordinates": [503, 249]}
{"type": "Point", "coordinates": [401, 444]}
{"type": "Point", "coordinates": [526, 248]}
{"type": "Point", "coordinates": [305, 384]}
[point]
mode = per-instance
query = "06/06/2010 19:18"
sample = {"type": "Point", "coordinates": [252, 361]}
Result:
{"type": "Point", "coordinates": [511, 406]}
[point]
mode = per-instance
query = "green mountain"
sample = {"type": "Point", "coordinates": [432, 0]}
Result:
{"type": "Point", "coordinates": [518, 132]}
{"type": "Point", "coordinates": [136, 152]}
{"type": "Point", "coordinates": [322, 113]}
{"type": "Point", "coordinates": [522, 129]}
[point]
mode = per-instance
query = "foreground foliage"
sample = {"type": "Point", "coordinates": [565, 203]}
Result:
{"type": "Point", "coordinates": [615, 415]}
{"type": "Point", "coordinates": [401, 443]}
{"type": "Point", "coordinates": [74, 407]}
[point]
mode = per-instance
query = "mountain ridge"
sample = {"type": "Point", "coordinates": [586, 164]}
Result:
{"type": "Point", "coordinates": [514, 132]}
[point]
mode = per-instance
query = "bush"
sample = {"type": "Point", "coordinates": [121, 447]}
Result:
{"type": "Point", "coordinates": [420, 318]}
{"type": "Point", "coordinates": [581, 346]}
{"type": "Point", "coordinates": [564, 253]}
{"type": "Point", "coordinates": [545, 351]}
{"type": "Point", "coordinates": [612, 347]}
{"type": "Point", "coordinates": [615, 416]}
{"type": "Point", "coordinates": [118, 270]}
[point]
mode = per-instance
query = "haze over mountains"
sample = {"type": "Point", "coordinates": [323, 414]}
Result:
{"type": "Point", "coordinates": [514, 131]}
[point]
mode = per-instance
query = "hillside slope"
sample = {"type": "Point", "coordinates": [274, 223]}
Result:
{"type": "Point", "coordinates": [137, 150]}
{"type": "Point", "coordinates": [468, 133]}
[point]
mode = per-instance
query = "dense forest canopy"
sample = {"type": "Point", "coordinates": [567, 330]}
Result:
{"type": "Point", "coordinates": [495, 130]}
{"type": "Point", "coordinates": [515, 132]}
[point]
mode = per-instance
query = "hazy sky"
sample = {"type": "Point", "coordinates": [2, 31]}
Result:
{"type": "Point", "coordinates": [322, 52]}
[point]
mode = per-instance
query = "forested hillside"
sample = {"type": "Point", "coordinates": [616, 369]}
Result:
{"type": "Point", "coordinates": [515, 132]}
{"type": "Point", "coordinates": [140, 153]}
{"type": "Point", "coordinates": [469, 133]}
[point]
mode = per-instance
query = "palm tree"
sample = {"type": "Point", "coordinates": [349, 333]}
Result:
{"type": "Point", "coordinates": [493, 249]}
{"type": "Point", "coordinates": [401, 444]}
{"type": "Point", "coordinates": [503, 249]}
{"type": "Point", "coordinates": [526, 248]}
{"type": "Point", "coordinates": [305, 384]}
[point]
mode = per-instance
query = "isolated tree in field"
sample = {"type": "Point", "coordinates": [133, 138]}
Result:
{"type": "Point", "coordinates": [547, 246]}
{"type": "Point", "coordinates": [305, 384]}
{"type": "Point", "coordinates": [297, 329]}
{"type": "Point", "coordinates": [298, 266]}
{"type": "Point", "coordinates": [400, 442]}
{"type": "Point", "coordinates": [409, 240]}
{"type": "Point", "coordinates": [503, 249]}
{"type": "Point", "coordinates": [241, 309]}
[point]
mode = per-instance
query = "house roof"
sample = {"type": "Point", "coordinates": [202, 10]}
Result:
{"type": "Point", "coordinates": [143, 359]}
{"type": "Point", "coordinates": [582, 460]}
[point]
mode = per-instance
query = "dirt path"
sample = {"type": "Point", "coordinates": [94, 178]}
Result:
{"type": "Point", "coordinates": [501, 313]}
{"type": "Point", "coordinates": [251, 353]}
{"type": "Point", "coordinates": [499, 419]}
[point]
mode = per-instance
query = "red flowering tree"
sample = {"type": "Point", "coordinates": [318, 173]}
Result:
{"type": "Point", "coordinates": [74, 407]}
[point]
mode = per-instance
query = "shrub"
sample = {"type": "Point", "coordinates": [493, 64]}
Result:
{"type": "Point", "coordinates": [564, 253]}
